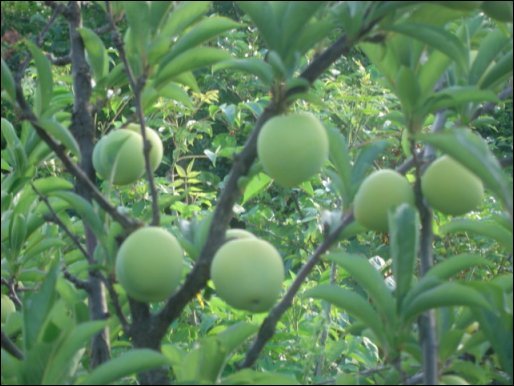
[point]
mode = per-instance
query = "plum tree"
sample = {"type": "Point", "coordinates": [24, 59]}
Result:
{"type": "Point", "coordinates": [156, 149]}
{"type": "Point", "coordinates": [451, 188]}
{"type": "Point", "coordinates": [292, 148]}
{"type": "Point", "coordinates": [8, 307]}
{"type": "Point", "coordinates": [379, 192]}
{"type": "Point", "coordinates": [119, 155]}
{"type": "Point", "coordinates": [248, 273]}
{"type": "Point", "coordinates": [149, 264]}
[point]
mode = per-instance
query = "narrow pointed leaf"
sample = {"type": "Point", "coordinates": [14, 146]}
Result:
{"type": "Point", "coordinates": [126, 364]}
{"type": "Point", "coordinates": [404, 235]}
{"type": "Point", "coordinates": [60, 133]}
{"type": "Point", "coordinates": [369, 279]}
{"type": "Point", "coordinates": [44, 78]}
{"type": "Point", "coordinates": [201, 32]}
{"type": "Point", "coordinates": [182, 16]}
{"type": "Point", "coordinates": [454, 265]}
{"type": "Point", "coordinates": [489, 49]}
{"type": "Point", "coordinates": [254, 66]}
{"type": "Point", "coordinates": [339, 156]}
{"type": "Point", "coordinates": [435, 37]}
{"type": "Point", "coordinates": [190, 60]}
{"type": "Point", "coordinates": [487, 228]}
{"type": "Point", "coordinates": [8, 81]}
{"type": "Point", "coordinates": [445, 295]}
{"type": "Point", "coordinates": [352, 303]}
{"type": "Point", "coordinates": [96, 53]}
{"type": "Point", "coordinates": [261, 13]}
{"type": "Point", "coordinates": [500, 72]}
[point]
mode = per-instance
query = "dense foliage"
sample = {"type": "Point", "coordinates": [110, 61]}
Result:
{"type": "Point", "coordinates": [425, 298]}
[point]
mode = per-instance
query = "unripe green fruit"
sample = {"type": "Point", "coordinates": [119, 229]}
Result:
{"type": "Point", "coordinates": [248, 274]}
{"type": "Point", "coordinates": [292, 148]}
{"type": "Point", "coordinates": [379, 192]}
{"type": "Point", "coordinates": [149, 264]}
{"type": "Point", "coordinates": [120, 153]}
{"type": "Point", "coordinates": [8, 307]}
{"type": "Point", "coordinates": [153, 137]}
{"type": "Point", "coordinates": [451, 188]}
{"type": "Point", "coordinates": [236, 233]}
{"type": "Point", "coordinates": [498, 10]}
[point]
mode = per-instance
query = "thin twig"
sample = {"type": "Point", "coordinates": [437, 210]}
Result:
{"type": "Point", "coordinates": [125, 325]}
{"type": "Point", "coordinates": [78, 283]}
{"type": "Point", "coordinates": [137, 86]}
{"type": "Point", "coordinates": [268, 326]}
{"type": "Point", "coordinates": [10, 347]}
{"type": "Point", "coordinates": [59, 222]}
{"type": "Point", "coordinates": [26, 113]}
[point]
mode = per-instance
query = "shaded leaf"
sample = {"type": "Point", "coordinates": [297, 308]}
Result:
{"type": "Point", "coordinates": [254, 66]}
{"type": "Point", "coordinates": [128, 363]}
{"type": "Point", "coordinates": [44, 78]}
{"type": "Point", "coordinates": [96, 53]}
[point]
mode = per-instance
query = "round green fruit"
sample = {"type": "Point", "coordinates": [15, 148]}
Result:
{"type": "Point", "coordinates": [292, 148]}
{"type": "Point", "coordinates": [380, 191]}
{"type": "Point", "coordinates": [156, 149]}
{"type": "Point", "coordinates": [498, 10]}
{"type": "Point", "coordinates": [248, 274]}
{"type": "Point", "coordinates": [8, 307]}
{"type": "Point", "coordinates": [120, 155]}
{"type": "Point", "coordinates": [149, 264]}
{"type": "Point", "coordinates": [451, 188]}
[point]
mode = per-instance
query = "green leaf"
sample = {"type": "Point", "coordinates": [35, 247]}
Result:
{"type": "Point", "coordinates": [261, 13]}
{"type": "Point", "coordinates": [498, 73]}
{"type": "Point", "coordinates": [404, 241]}
{"type": "Point", "coordinates": [454, 265]}
{"type": "Point", "coordinates": [457, 95]}
{"type": "Point", "coordinates": [175, 92]}
{"type": "Point", "coordinates": [339, 156]}
{"type": "Point", "coordinates": [85, 211]}
{"type": "Point", "coordinates": [62, 361]}
{"type": "Point", "coordinates": [182, 16]}
{"type": "Point", "coordinates": [487, 228]}
{"type": "Point", "coordinates": [190, 60]}
{"type": "Point", "coordinates": [138, 17]}
{"type": "Point", "coordinates": [9, 134]}
{"type": "Point", "coordinates": [497, 322]}
{"type": "Point", "coordinates": [199, 33]}
{"type": "Point", "coordinates": [254, 66]}
{"type": "Point", "coordinates": [17, 232]}
{"type": "Point", "coordinates": [232, 337]}
{"type": "Point", "coordinates": [432, 71]}
{"type": "Point", "coordinates": [187, 79]}
{"type": "Point", "coordinates": [37, 307]}
{"type": "Point", "coordinates": [444, 295]}
{"type": "Point", "coordinates": [44, 78]}
{"type": "Point", "coordinates": [294, 21]}
{"type": "Point", "coordinates": [257, 184]}
{"type": "Point", "coordinates": [253, 377]}
{"type": "Point", "coordinates": [489, 49]}
{"type": "Point", "coordinates": [158, 11]}
{"type": "Point", "coordinates": [8, 81]}
{"type": "Point", "coordinates": [126, 364]}
{"type": "Point", "coordinates": [312, 34]}
{"type": "Point", "coordinates": [369, 279]}
{"type": "Point", "coordinates": [60, 133]}
{"type": "Point", "coordinates": [352, 303]}
{"type": "Point", "coordinates": [365, 159]}
{"type": "Point", "coordinates": [435, 37]}
{"type": "Point", "coordinates": [96, 53]}
{"type": "Point", "coordinates": [408, 89]}
{"type": "Point", "coordinates": [472, 151]}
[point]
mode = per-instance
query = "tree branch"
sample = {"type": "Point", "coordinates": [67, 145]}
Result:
{"type": "Point", "coordinates": [27, 114]}
{"type": "Point", "coordinates": [268, 326]}
{"type": "Point", "coordinates": [10, 347]}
